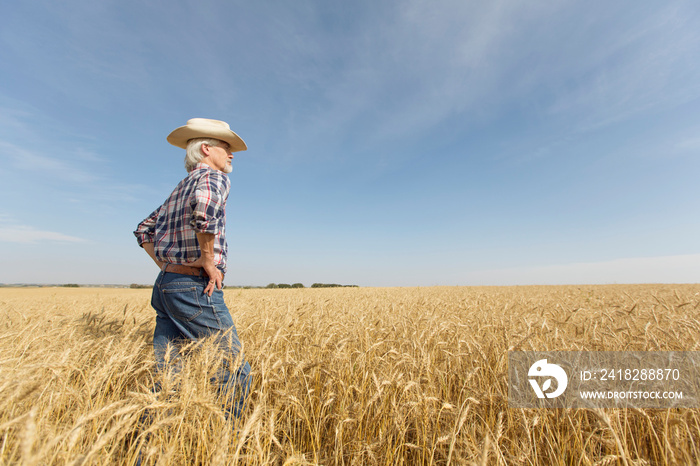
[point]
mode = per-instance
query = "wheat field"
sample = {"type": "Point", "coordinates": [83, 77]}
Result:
{"type": "Point", "coordinates": [341, 376]}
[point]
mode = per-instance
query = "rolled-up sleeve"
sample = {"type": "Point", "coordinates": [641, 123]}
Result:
{"type": "Point", "coordinates": [145, 231]}
{"type": "Point", "coordinates": [209, 204]}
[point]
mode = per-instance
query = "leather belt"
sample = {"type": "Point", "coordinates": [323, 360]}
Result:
{"type": "Point", "coordinates": [185, 270]}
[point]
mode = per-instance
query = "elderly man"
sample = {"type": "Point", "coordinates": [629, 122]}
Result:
{"type": "Point", "coordinates": [186, 238]}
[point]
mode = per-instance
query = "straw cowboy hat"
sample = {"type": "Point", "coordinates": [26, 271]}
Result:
{"type": "Point", "coordinates": [204, 128]}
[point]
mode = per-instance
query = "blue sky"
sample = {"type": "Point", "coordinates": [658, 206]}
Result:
{"type": "Point", "coordinates": [391, 143]}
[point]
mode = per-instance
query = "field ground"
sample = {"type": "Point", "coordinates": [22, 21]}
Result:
{"type": "Point", "coordinates": [341, 376]}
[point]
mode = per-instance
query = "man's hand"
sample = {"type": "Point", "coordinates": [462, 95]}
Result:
{"type": "Point", "coordinates": [206, 261]}
{"type": "Point", "coordinates": [215, 277]}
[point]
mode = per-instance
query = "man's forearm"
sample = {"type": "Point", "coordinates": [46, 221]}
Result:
{"type": "Point", "coordinates": [206, 261]}
{"type": "Point", "coordinates": [150, 249]}
{"type": "Point", "coordinates": [206, 246]}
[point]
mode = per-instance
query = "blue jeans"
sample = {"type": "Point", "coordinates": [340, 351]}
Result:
{"type": "Point", "coordinates": [184, 312]}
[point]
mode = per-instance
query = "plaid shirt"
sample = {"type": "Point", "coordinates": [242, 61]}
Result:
{"type": "Point", "coordinates": [197, 205]}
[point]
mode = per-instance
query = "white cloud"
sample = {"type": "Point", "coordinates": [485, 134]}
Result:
{"type": "Point", "coordinates": [395, 75]}
{"type": "Point", "coordinates": [664, 269]}
{"type": "Point", "coordinates": [76, 170]}
{"type": "Point", "coordinates": [634, 67]}
{"type": "Point", "coordinates": [28, 234]}
{"type": "Point", "coordinates": [28, 160]}
{"type": "Point", "coordinates": [688, 144]}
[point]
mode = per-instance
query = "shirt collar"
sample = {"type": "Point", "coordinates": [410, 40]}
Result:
{"type": "Point", "coordinates": [202, 165]}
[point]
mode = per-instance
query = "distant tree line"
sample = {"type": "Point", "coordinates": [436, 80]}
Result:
{"type": "Point", "coordinates": [332, 285]}
{"type": "Point", "coordinates": [315, 285]}
{"type": "Point", "coordinates": [270, 286]}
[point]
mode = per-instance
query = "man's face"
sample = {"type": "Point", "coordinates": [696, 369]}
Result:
{"type": "Point", "coordinates": [219, 157]}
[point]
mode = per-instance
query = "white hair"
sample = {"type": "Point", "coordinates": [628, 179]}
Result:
{"type": "Point", "coordinates": [194, 153]}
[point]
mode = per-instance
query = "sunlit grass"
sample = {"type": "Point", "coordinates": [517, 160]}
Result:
{"type": "Point", "coordinates": [341, 376]}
